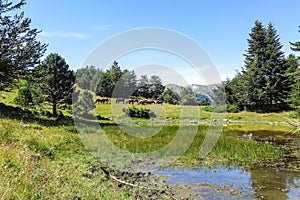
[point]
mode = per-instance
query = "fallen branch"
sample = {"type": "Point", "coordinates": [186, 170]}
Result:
{"type": "Point", "coordinates": [120, 181]}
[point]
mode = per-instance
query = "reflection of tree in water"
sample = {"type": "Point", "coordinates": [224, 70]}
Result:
{"type": "Point", "coordinates": [272, 184]}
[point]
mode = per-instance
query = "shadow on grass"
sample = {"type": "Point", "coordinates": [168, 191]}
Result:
{"type": "Point", "coordinates": [26, 115]}
{"type": "Point", "coordinates": [29, 116]}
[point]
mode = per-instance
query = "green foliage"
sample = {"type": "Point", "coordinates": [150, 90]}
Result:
{"type": "Point", "coordinates": [170, 96]}
{"type": "Point", "coordinates": [156, 87]}
{"type": "Point", "coordinates": [55, 80]}
{"type": "Point", "coordinates": [108, 80]}
{"type": "Point", "coordinates": [295, 115]}
{"type": "Point", "coordinates": [139, 112]}
{"type": "Point", "coordinates": [126, 85]}
{"type": "Point", "coordinates": [83, 103]}
{"type": "Point", "coordinates": [24, 96]}
{"type": "Point", "coordinates": [265, 82]}
{"type": "Point", "coordinates": [294, 95]}
{"type": "Point", "coordinates": [149, 88]}
{"type": "Point", "coordinates": [88, 77]}
{"type": "Point", "coordinates": [19, 47]}
{"type": "Point", "coordinates": [188, 96]}
{"type": "Point", "coordinates": [264, 69]}
{"type": "Point", "coordinates": [296, 45]}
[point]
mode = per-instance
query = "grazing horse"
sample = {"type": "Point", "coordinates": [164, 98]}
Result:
{"type": "Point", "coordinates": [159, 102]}
{"type": "Point", "coordinates": [130, 101]}
{"type": "Point", "coordinates": [146, 101]}
{"type": "Point", "coordinates": [102, 100]}
{"type": "Point", "coordinates": [150, 101]}
{"type": "Point", "coordinates": [120, 100]}
{"type": "Point", "coordinates": [143, 102]}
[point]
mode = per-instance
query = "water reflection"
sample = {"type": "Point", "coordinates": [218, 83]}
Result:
{"type": "Point", "coordinates": [224, 183]}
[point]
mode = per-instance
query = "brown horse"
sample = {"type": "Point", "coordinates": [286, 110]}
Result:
{"type": "Point", "coordinates": [146, 101]}
{"type": "Point", "coordinates": [130, 101]}
{"type": "Point", "coordinates": [102, 100]}
{"type": "Point", "coordinates": [159, 102]}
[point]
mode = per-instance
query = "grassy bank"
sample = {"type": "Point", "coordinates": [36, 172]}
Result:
{"type": "Point", "coordinates": [229, 150]}
{"type": "Point", "coordinates": [49, 162]}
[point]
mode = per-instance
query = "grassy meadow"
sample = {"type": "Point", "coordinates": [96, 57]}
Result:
{"type": "Point", "coordinates": [44, 157]}
{"type": "Point", "coordinates": [170, 112]}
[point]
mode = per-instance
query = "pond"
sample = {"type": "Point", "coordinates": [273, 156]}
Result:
{"type": "Point", "coordinates": [281, 182]}
{"type": "Point", "coordinates": [224, 183]}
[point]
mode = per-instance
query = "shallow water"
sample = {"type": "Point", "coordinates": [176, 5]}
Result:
{"type": "Point", "coordinates": [236, 183]}
{"type": "Point", "coordinates": [224, 183]}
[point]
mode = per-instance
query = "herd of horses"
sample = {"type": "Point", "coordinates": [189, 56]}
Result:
{"type": "Point", "coordinates": [130, 101]}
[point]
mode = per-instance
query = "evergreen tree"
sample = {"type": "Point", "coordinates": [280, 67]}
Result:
{"type": "Point", "coordinates": [235, 91]}
{"type": "Point", "coordinates": [156, 87]}
{"type": "Point", "coordinates": [254, 65]}
{"type": "Point", "coordinates": [56, 80]}
{"type": "Point", "coordinates": [24, 96]}
{"type": "Point", "coordinates": [126, 85]}
{"type": "Point", "coordinates": [294, 97]}
{"type": "Point", "coordinates": [274, 71]}
{"type": "Point", "coordinates": [170, 96]}
{"type": "Point", "coordinates": [296, 45]}
{"type": "Point", "coordinates": [88, 77]}
{"type": "Point", "coordinates": [143, 87]}
{"type": "Point", "coordinates": [19, 49]}
{"type": "Point", "coordinates": [265, 69]}
{"type": "Point", "coordinates": [108, 80]}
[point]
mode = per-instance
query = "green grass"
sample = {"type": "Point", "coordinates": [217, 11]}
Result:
{"type": "Point", "coordinates": [228, 150]}
{"type": "Point", "coordinates": [175, 113]}
{"type": "Point", "coordinates": [43, 157]}
{"type": "Point", "coordinates": [49, 162]}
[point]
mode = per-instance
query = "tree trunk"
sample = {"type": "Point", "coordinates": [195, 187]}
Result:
{"type": "Point", "coordinates": [54, 111]}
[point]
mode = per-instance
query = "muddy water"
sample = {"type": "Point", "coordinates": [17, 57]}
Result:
{"type": "Point", "coordinates": [279, 182]}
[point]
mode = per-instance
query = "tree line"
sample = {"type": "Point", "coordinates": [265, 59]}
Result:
{"type": "Point", "coordinates": [118, 83]}
{"type": "Point", "coordinates": [269, 81]}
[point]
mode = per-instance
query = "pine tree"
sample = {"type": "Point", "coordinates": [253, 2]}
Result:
{"type": "Point", "coordinates": [254, 65]}
{"type": "Point", "coordinates": [265, 69]}
{"type": "Point", "coordinates": [143, 87]}
{"type": "Point", "coordinates": [108, 80]}
{"type": "Point", "coordinates": [156, 87]}
{"type": "Point", "coordinates": [56, 80]}
{"type": "Point", "coordinates": [296, 45]}
{"type": "Point", "coordinates": [19, 49]}
{"type": "Point", "coordinates": [294, 98]}
{"type": "Point", "coordinates": [274, 70]}
{"type": "Point", "coordinates": [126, 85]}
{"type": "Point", "coordinates": [170, 96]}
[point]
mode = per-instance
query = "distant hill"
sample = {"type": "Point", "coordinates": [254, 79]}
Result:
{"type": "Point", "coordinates": [198, 89]}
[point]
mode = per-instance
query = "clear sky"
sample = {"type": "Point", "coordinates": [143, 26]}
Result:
{"type": "Point", "coordinates": [75, 28]}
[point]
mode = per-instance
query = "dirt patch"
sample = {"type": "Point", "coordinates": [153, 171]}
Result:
{"type": "Point", "coordinates": [149, 186]}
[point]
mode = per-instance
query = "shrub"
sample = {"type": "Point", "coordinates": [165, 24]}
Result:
{"type": "Point", "coordinates": [295, 115]}
{"type": "Point", "coordinates": [232, 108]}
{"type": "Point", "coordinates": [138, 112]}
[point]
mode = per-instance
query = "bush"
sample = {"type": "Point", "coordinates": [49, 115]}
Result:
{"type": "Point", "coordinates": [24, 96]}
{"type": "Point", "coordinates": [138, 112]}
{"type": "Point", "coordinates": [207, 108]}
{"type": "Point", "coordinates": [295, 115]}
{"type": "Point", "coordinates": [232, 108]}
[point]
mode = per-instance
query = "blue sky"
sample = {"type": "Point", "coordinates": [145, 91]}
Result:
{"type": "Point", "coordinates": [75, 28]}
